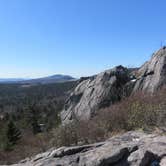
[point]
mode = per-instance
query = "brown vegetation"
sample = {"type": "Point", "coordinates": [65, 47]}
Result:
{"type": "Point", "coordinates": [28, 146]}
{"type": "Point", "coordinates": [139, 111]}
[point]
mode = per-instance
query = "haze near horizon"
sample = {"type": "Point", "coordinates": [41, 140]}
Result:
{"type": "Point", "coordinates": [78, 37]}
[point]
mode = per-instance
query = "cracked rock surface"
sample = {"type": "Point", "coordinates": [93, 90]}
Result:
{"type": "Point", "coordinates": [152, 75]}
{"type": "Point", "coordinates": [106, 88]}
{"type": "Point", "coordinates": [94, 93]}
{"type": "Point", "coordinates": [133, 148]}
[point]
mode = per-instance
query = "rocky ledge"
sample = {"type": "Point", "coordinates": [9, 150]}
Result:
{"type": "Point", "coordinates": [130, 149]}
{"type": "Point", "coordinates": [94, 93]}
{"type": "Point", "coordinates": [108, 87]}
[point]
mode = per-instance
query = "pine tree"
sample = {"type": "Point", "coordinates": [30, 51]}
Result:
{"type": "Point", "coordinates": [13, 135]}
{"type": "Point", "coordinates": [34, 120]}
{"type": "Point", "coordinates": [35, 126]}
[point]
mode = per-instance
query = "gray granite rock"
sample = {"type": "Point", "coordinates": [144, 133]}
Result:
{"type": "Point", "coordinates": [94, 93]}
{"type": "Point", "coordinates": [152, 75]}
{"type": "Point", "coordinates": [130, 149]}
{"type": "Point", "coordinates": [163, 161]}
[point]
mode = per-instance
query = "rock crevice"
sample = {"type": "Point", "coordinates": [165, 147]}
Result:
{"type": "Point", "coordinates": [108, 87]}
{"type": "Point", "coordinates": [93, 94]}
{"type": "Point", "coordinates": [130, 149]}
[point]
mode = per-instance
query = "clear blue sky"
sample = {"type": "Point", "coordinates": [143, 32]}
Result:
{"type": "Point", "coordinates": [77, 37]}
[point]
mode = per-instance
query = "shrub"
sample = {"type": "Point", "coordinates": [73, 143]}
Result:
{"type": "Point", "coordinates": [139, 111]}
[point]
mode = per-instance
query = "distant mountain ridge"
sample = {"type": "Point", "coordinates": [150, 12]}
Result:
{"type": "Point", "coordinates": [43, 80]}
{"type": "Point", "coordinates": [4, 80]}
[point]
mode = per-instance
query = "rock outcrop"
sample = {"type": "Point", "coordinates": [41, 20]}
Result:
{"type": "Point", "coordinates": [152, 75]}
{"type": "Point", "coordinates": [129, 149]}
{"type": "Point", "coordinates": [102, 90]}
{"type": "Point", "coordinates": [95, 92]}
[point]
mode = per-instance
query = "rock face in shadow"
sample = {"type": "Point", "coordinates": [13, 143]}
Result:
{"type": "Point", "coordinates": [152, 75]}
{"type": "Point", "coordinates": [129, 149]}
{"type": "Point", "coordinates": [94, 93]}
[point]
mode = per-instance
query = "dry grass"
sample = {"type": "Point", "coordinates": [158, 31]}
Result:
{"type": "Point", "coordinates": [139, 111]}
{"type": "Point", "coordinates": [28, 146]}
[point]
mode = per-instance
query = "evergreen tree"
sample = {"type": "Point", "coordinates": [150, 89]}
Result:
{"type": "Point", "coordinates": [34, 120]}
{"type": "Point", "coordinates": [13, 135]}
{"type": "Point", "coordinates": [35, 126]}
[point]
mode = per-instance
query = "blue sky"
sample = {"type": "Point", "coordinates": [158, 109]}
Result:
{"type": "Point", "coordinates": [77, 37]}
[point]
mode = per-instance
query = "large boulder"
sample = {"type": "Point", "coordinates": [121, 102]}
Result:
{"type": "Point", "coordinates": [102, 90]}
{"type": "Point", "coordinates": [130, 149]}
{"type": "Point", "coordinates": [152, 75]}
{"type": "Point", "coordinates": [93, 93]}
